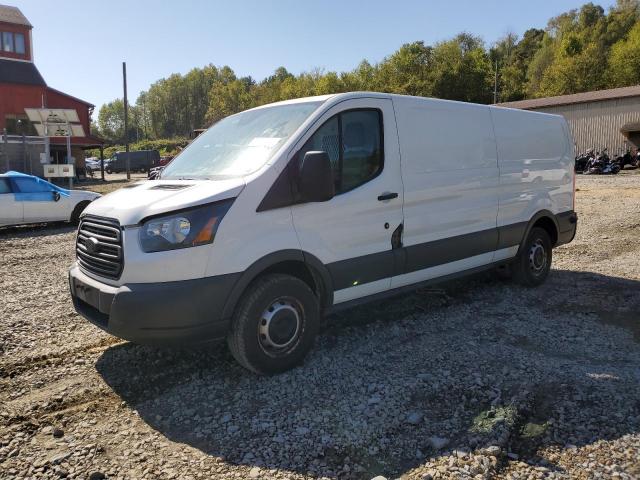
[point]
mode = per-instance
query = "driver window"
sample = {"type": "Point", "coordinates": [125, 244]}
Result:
{"type": "Point", "coordinates": [353, 142]}
{"type": "Point", "coordinates": [327, 139]}
{"type": "Point", "coordinates": [30, 185]}
{"type": "Point", "coordinates": [4, 186]}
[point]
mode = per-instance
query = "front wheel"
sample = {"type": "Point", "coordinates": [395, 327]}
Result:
{"type": "Point", "coordinates": [274, 325]}
{"type": "Point", "coordinates": [532, 266]}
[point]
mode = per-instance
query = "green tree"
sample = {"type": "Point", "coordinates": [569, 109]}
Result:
{"type": "Point", "coordinates": [230, 98]}
{"type": "Point", "coordinates": [461, 70]}
{"type": "Point", "coordinates": [111, 120]}
{"type": "Point", "coordinates": [624, 62]}
{"type": "Point", "coordinates": [406, 71]}
{"type": "Point", "coordinates": [581, 49]}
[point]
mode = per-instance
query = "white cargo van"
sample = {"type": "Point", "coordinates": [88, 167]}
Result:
{"type": "Point", "coordinates": [280, 214]}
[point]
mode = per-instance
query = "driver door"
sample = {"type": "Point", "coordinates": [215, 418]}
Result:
{"type": "Point", "coordinates": [351, 234]}
{"type": "Point", "coordinates": [38, 199]}
{"type": "Point", "coordinates": [10, 209]}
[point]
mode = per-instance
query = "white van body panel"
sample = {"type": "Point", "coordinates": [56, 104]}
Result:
{"type": "Point", "coordinates": [536, 164]}
{"type": "Point", "coordinates": [449, 171]}
{"type": "Point", "coordinates": [471, 180]}
{"type": "Point", "coordinates": [239, 244]}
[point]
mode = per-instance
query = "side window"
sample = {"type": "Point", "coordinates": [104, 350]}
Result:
{"type": "Point", "coordinates": [361, 147]}
{"type": "Point", "coordinates": [326, 139]}
{"type": "Point", "coordinates": [353, 141]}
{"type": "Point", "coordinates": [20, 47]}
{"type": "Point", "coordinates": [30, 185]}
{"type": "Point", "coordinates": [7, 41]}
{"type": "Point", "coordinates": [4, 186]}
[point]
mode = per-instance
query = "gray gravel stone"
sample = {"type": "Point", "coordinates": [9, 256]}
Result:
{"type": "Point", "coordinates": [489, 366]}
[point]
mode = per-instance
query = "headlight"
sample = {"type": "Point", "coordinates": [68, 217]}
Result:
{"type": "Point", "coordinates": [182, 229]}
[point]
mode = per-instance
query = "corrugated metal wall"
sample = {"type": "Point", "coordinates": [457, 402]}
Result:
{"type": "Point", "coordinates": [597, 124]}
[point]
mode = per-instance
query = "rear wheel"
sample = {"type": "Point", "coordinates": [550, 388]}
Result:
{"type": "Point", "coordinates": [78, 209]}
{"type": "Point", "coordinates": [274, 325]}
{"type": "Point", "coordinates": [532, 266]}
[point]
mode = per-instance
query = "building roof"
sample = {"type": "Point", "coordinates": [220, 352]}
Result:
{"type": "Point", "coordinates": [13, 15]}
{"type": "Point", "coordinates": [12, 71]}
{"type": "Point", "coordinates": [71, 96]}
{"type": "Point", "coordinates": [586, 97]}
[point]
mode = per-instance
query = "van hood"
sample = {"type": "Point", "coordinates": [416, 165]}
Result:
{"type": "Point", "coordinates": [134, 202]}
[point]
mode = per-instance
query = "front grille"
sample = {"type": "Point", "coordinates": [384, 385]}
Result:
{"type": "Point", "coordinates": [99, 246]}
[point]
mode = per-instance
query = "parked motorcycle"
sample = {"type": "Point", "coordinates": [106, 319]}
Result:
{"type": "Point", "coordinates": [601, 164]}
{"type": "Point", "coordinates": [625, 159]}
{"type": "Point", "coordinates": [582, 160]}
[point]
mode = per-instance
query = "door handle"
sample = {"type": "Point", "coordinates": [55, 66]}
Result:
{"type": "Point", "coordinates": [387, 196]}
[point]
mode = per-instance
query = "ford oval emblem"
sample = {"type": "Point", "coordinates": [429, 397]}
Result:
{"type": "Point", "coordinates": [91, 244]}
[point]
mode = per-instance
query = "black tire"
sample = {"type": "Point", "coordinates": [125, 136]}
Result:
{"type": "Point", "coordinates": [78, 209]}
{"type": "Point", "coordinates": [532, 266]}
{"type": "Point", "coordinates": [108, 170]}
{"type": "Point", "coordinates": [275, 305]}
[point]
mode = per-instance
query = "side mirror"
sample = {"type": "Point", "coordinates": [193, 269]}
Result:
{"type": "Point", "coordinates": [56, 196]}
{"type": "Point", "coordinates": [316, 177]}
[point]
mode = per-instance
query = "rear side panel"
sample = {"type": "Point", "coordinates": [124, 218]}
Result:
{"type": "Point", "coordinates": [535, 157]}
{"type": "Point", "coordinates": [450, 177]}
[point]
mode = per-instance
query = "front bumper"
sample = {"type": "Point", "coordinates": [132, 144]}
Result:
{"type": "Point", "coordinates": [167, 313]}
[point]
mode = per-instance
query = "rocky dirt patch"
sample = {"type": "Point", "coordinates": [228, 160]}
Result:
{"type": "Point", "coordinates": [473, 379]}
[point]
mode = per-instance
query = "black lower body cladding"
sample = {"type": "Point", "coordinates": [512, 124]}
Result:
{"type": "Point", "coordinates": [168, 313]}
{"type": "Point", "coordinates": [407, 259]}
{"type": "Point", "coordinates": [200, 310]}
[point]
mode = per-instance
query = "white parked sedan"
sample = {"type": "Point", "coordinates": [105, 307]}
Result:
{"type": "Point", "coordinates": [28, 199]}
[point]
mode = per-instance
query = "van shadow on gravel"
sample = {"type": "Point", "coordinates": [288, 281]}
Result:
{"type": "Point", "coordinates": [466, 366]}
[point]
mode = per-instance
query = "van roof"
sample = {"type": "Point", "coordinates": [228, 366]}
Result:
{"type": "Point", "coordinates": [324, 98]}
{"type": "Point", "coordinates": [335, 97]}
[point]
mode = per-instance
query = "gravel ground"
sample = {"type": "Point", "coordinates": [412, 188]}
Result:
{"type": "Point", "coordinates": [113, 181]}
{"type": "Point", "coordinates": [472, 379]}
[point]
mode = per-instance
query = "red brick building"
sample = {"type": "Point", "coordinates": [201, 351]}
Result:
{"type": "Point", "coordinates": [22, 86]}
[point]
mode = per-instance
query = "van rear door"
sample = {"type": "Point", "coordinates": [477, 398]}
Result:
{"type": "Point", "coordinates": [450, 176]}
{"type": "Point", "coordinates": [351, 233]}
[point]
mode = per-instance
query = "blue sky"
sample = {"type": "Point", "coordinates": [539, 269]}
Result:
{"type": "Point", "coordinates": [79, 45]}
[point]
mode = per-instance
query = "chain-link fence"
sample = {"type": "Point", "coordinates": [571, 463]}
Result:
{"type": "Point", "coordinates": [22, 153]}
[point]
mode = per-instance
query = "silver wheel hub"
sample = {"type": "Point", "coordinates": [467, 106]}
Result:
{"type": "Point", "coordinates": [279, 325]}
{"type": "Point", "coordinates": [537, 257]}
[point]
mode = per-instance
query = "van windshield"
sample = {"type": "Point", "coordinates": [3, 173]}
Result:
{"type": "Point", "coordinates": [239, 144]}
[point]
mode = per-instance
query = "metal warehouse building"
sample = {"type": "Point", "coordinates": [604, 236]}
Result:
{"type": "Point", "coordinates": [604, 118]}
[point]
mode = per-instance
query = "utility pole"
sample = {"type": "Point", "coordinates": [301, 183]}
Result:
{"type": "Point", "coordinates": [495, 84]}
{"type": "Point", "coordinates": [126, 115]}
{"type": "Point", "coordinates": [6, 148]}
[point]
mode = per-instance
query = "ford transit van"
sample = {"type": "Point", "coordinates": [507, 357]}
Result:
{"type": "Point", "coordinates": [275, 216]}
